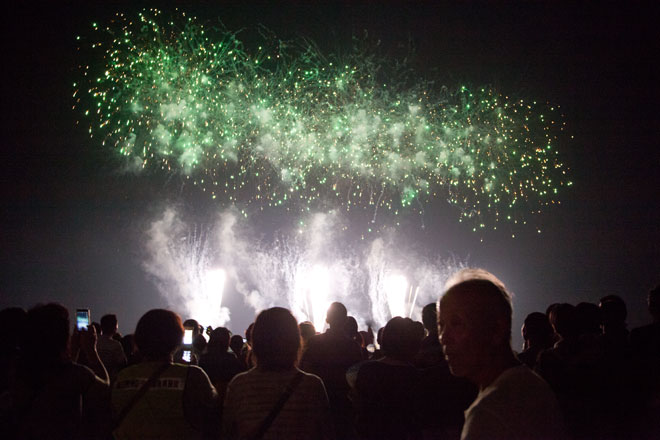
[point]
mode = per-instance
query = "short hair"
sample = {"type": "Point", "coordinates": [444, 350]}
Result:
{"type": "Point", "coordinates": [494, 300]}
{"type": "Point", "coordinates": [337, 314]}
{"type": "Point", "coordinates": [248, 333]}
{"type": "Point", "coordinates": [566, 321]}
{"type": "Point", "coordinates": [109, 324]}
{"type": "Point", "coordinates": [400, 339]}
{"type": "Point", "coordinates": [537, 327]}
{"type": "Point", "coordinates": [430, 317]}
{"type": "Point", "coordinates": [367, 337]}
{"type": "Point", "coordinates": [307, 330]}
{"type": "Point", "coordinates": [194, 324]}
{"type": "Point", "coordinates": [158, 333]}
{"type": "Point", "coordinates": [219, 339]}
{"type": "Point", "coordinates": [46, 334]}
{"type": "Point", "coordinates": [613, 310]}
{"type": "Point", "coordinates": [351, 326]}
{"type": "Point", "coordinates": [236, 344]}
{"type": "Point", "coordinates": [276, 340]}
{"type": "Point", "coordinates": [588, 317]}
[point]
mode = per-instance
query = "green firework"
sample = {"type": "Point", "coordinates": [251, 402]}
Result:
{"type": "Point", "coordinates": [284, 125]}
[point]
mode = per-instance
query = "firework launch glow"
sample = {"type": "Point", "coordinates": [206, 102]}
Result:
{"type": "Point", "coordinates": [194, 266]}
{"type": "Point", "coordinates": [287, 126]}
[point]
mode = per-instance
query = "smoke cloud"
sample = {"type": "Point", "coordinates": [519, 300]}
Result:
{"type": "Point", "coordinates": [194, 266]}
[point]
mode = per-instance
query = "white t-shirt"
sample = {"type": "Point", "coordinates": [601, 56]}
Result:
{"type": "Point", "coordinates": [519, 404]}
{"type": "Point", "coordinates": [111, 354]}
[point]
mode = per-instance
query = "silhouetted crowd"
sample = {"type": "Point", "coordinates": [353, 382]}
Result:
{"type": "Point", "coordinates": [580, 374]}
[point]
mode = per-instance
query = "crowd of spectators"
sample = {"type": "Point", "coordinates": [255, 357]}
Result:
{"type": "Point", "coordinates": [579, 375]}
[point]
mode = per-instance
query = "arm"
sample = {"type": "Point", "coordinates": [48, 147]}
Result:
{"type": "Point", "coordinates": [87, 343]}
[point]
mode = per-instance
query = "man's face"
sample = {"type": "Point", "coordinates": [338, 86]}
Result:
{"type": "Point", "coordinates": [464, 341]}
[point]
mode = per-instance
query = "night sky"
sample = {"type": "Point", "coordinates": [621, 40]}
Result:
{"type": "Point", "coordinates": [72, 223]}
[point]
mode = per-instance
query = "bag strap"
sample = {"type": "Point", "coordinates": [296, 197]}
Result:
{"type": "Point", "coordinates": [138, 395]}
{"type": "Point", "coordinates": [278, 406]}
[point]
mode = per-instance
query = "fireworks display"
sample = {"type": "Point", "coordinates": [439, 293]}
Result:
{"type": "Point", "coordinates": [285, 125]}
{"type": "Point", "coordinates": [196, 267]}
{"type": "Point", "coordinates": [183, 263]}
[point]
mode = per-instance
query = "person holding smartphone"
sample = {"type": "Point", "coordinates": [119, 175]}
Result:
{"type": "Point", "coordinates": [51, 395]}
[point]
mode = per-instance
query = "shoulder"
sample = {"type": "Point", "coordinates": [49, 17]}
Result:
{"type": "Point", "coordinates": [368, 368]}
{"type": "Point", "coordinates": [77, 369]}
{"type": "Point", "coordinates": [313, 388]}
{"type": "Point", "coordinates": [245, 377]}
{"type": "Point", "coordinates": [193, 371]}
{"type": "Point", "coordinates": [83, 378]}
{"type": "Point", "coordinates": [311, 379]}
{"type": "Point", "coordinates": [316, 340]}
{"type": "Point", "coordinates": [79, 373]}
{"type": "Point", "coordinates": [523, 379]}
{"type": "Point", "coordinates": [518, 391]}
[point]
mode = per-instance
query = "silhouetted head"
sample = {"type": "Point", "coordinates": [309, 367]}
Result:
{"type": "Point", "coordinates": [367, 338]}
{"type": "Point", "coordinates": [474, 322]}
{"type": "Point", "coordinates": [248, 333]}
{"type": "Point", "coordinates": [566, 323]}
{"type": "Point", "coordinates": [588, 316]}
{"type": "Point", "coordinates": [46, 334]}
{"type": "Point", "coordinates": [400, 339]}
{"type": "Point", "coordinates": [109, 324]}
{"type": "Point", "coordinates": [379, 336]}
{"type": "Point", "coordinates": [419, 330]}
{"type": "Point", "coordinates": [613, 311]}
{"type": "Point", "coordinates": [536, 330]}
{"type": "Point", "coordinates": [549, 312]}
{"type": "Point", "coordinates": [307, 330]}
{"type": "Point", "coordinates": [158, 333]}
{"type": "Point", "coordinates": [192, 323]}
{"type": "Point", "coordinates": [654, 303]}
{"type": "Point", "coordinates": [351, 327]}
{"type": "Point", "coordinates": [236, 344]}
{"type": "Point", "coordinates": [430, 318]}
{"type": "Point", "coordinates": [337, 314]}
{"type": "Point", "coordinates": [128, 344]}
{"type": "Point", "coordinates": [276, 340]}
{"type": "Point", "coordinates": [219, 340]}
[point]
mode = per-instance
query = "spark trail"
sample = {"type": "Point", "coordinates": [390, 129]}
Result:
{"type": "Point", "coordinates": [288, 126]}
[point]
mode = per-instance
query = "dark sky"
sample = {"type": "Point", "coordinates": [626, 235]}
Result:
{"type": "Point", "coordinates": [71, 223]}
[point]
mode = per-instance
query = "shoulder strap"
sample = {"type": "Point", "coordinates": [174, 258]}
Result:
{"type": "Point", "coordinates": [138, 395]}
{"type": "Point", "coordinates": [278, 406]}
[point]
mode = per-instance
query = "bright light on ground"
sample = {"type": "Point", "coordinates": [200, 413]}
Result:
{"type": "Point", "coordinates": [312, 288]}
{"type": "Point", "coordinates": [396, 291]}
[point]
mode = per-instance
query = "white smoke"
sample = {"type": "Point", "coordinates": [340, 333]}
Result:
{"type": "Point", "coordinates": [305, 271]}
{"type": "Point", "coordinates": [183, 265]}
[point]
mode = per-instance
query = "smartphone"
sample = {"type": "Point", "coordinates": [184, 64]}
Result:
{"type": "Point", "coordinates": [82, 319]}
{"type": "Point", "coordinates": [187, 336]}
{"type": "Point", "coordinates": [186, 356]}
